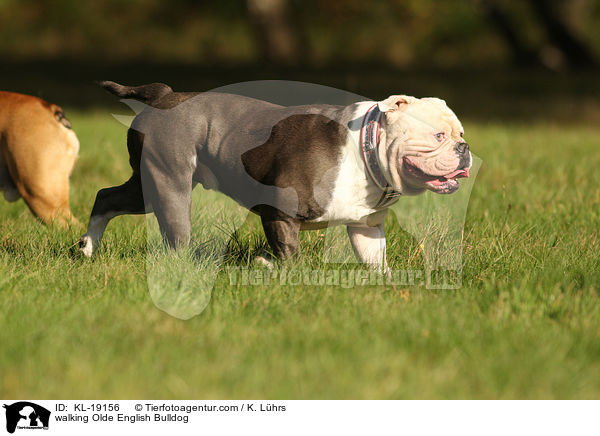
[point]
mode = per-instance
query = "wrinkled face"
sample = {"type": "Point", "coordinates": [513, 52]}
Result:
{"type": "Point", "coordinates": [425, 145]}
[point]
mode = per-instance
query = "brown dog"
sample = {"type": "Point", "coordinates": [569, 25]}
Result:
{"type": "Point", "coordinates": [37, 152]}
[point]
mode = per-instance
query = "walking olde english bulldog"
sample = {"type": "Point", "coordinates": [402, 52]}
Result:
{"type": "Point", "coordinates": [298, 167]}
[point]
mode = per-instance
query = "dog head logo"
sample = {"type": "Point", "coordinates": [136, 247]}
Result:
{"type": "Point", "coordinates": [26, 415]}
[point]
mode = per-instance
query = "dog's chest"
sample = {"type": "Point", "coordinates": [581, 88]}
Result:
{"type": "Point", "coordinates": [352, 197]}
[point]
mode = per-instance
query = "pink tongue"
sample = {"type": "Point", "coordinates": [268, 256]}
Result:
{"type": "Point", "coordinates": [458, 174]}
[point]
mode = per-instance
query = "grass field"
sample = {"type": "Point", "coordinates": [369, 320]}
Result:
{"type": "Point", "coordinates": [526, 323]}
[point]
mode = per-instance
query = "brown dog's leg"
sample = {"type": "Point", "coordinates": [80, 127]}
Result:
{"type": "Point", "coordinates": [50, 211]}
{"type": "Point", "coordinates": [48, 201]}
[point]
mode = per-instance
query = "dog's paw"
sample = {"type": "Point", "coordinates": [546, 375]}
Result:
{"type": "Point", "coordinates": [263, 261]}
{"type": "Point", "coordinates": [86, 246]}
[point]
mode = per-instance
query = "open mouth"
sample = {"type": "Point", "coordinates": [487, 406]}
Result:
{"type": "Point", "coordinates": [445, 184]}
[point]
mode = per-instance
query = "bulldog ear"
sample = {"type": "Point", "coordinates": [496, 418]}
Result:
{"type": "Point", "coordinates": [437, 101]}
{"type": "Point", "coordinates": [395, 102]}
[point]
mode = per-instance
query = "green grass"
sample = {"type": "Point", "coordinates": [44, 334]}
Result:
{"type": "Point", "coordinates": [526, 323]}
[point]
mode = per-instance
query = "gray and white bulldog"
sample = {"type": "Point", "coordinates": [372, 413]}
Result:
{"type": "Point", "coordinates": [298, 168]}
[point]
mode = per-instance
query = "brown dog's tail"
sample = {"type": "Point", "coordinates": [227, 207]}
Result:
{"type": "Point", "coordinates": [59, 115]}
{"type": "Point", "coordinates": [148, 94]}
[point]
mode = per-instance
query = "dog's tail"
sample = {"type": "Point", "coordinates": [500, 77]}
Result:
{"type": "Point", "coordinates": [148, 94]}
{"type": "Point", "coordinates": [59, 115]}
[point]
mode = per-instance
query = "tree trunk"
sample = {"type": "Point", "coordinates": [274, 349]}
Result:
{"type": "Point", "coordinates": [277, 34]}
{"type": "Point", "coordinates": [522, 54]}
{"type": "Point", "coordinates": [574, 50]}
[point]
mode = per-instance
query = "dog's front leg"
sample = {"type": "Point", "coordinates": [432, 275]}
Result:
{"type": "Point", "coordinates": [369, 246]}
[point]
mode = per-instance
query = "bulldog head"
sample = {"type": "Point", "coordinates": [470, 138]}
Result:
{"type": "Point", "coordinates": [425, 148]}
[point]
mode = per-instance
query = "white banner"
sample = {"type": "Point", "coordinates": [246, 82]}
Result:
{"type": "Point", "coordinates": [299, 417]}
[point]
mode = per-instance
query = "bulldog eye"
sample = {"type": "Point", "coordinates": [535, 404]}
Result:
{"type": "Point", "coordinates": [440, 136]}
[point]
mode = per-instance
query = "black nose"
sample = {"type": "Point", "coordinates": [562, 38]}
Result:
{"type": "Point", "coordinates": [462, 148]}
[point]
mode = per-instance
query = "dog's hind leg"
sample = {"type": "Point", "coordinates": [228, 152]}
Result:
{"type": "Point", "coordinates": [48, 201]}
{"type": "Point", "coordinates": [170, 195]}
{"type": "Point", "coordinates": [111, 202]}
{"type": "Point", "coordinates": [11, 193]}
{"type": "Point", "coordinates": [49, 211]}
{"type": "Point", "coordinates": [42, 178]}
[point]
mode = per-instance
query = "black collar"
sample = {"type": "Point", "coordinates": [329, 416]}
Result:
{"type": "Point", "coordinates": [369, 145]}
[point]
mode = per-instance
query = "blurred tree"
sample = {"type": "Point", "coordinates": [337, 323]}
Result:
{"type": "Point", "coordinates": [560, 35]}
{"type": "Point", "coordinates": [560, 46]}
{"type": "Point", "coordinates": [500, 19]}
{"type": "Point", "coordinates": [400, 33]}
{"type": "Point", "coordinates": [278, 34]}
